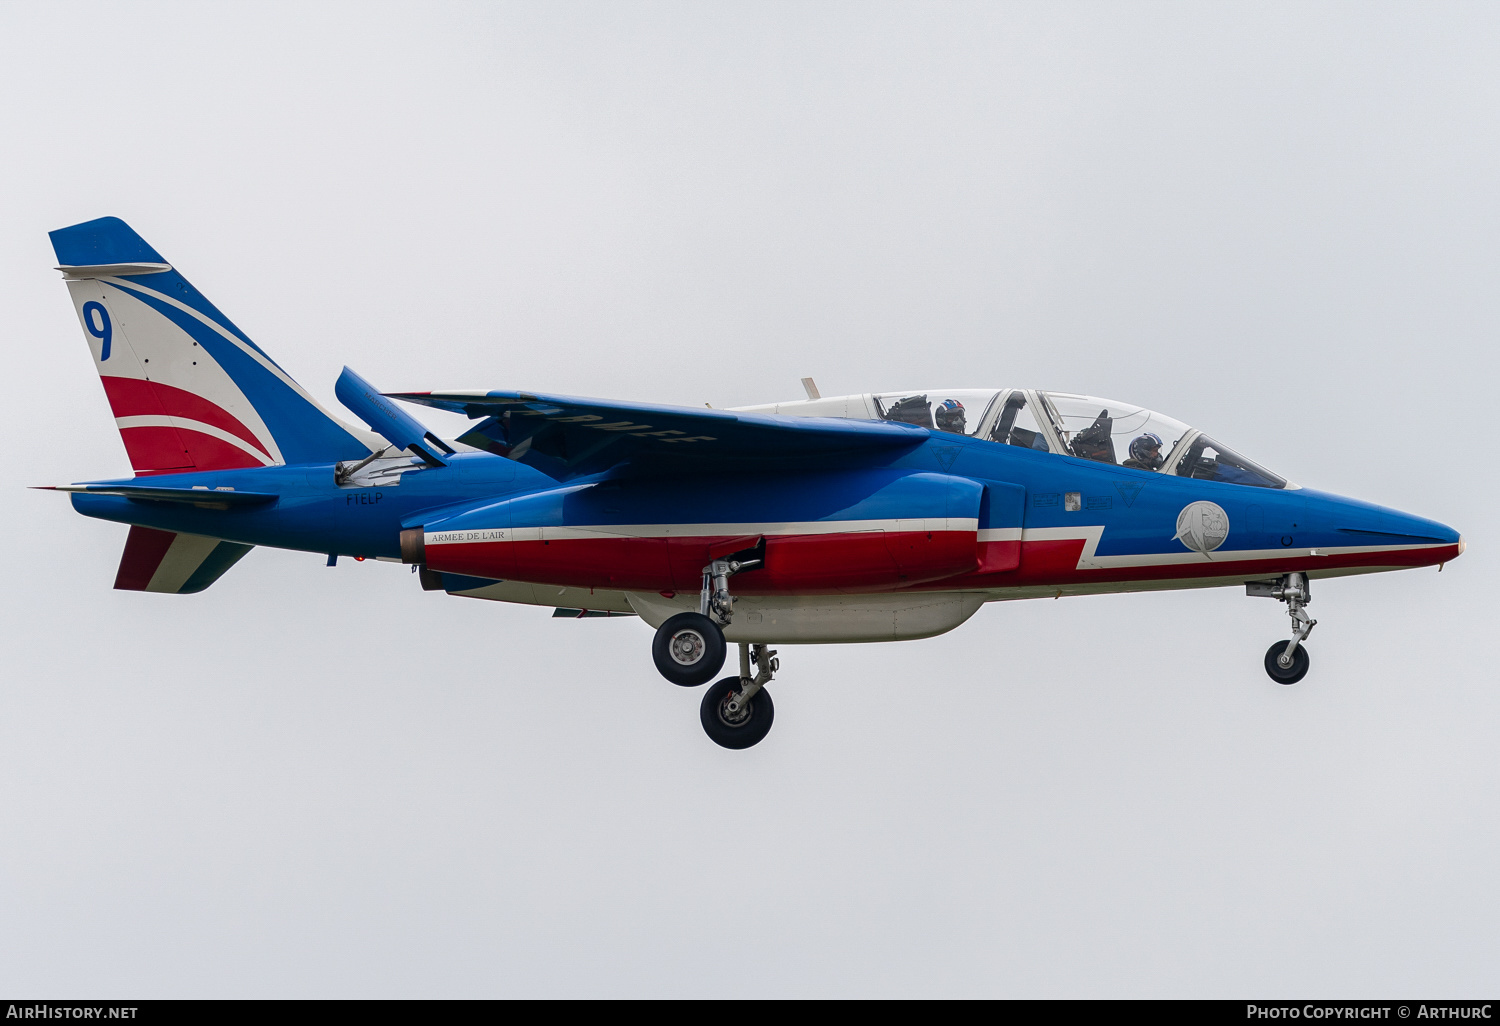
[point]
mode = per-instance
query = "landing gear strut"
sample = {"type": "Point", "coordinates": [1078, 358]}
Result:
{"type": "Point", "coordinates": [737, 711]}
{"type": "Point", "coordinates": [689, 648]}
{"type": "Point", "coordinates": [1288, 662]}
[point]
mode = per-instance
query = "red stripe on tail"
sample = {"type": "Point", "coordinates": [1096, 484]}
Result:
{"type": "Point", "coordinates": [164, 448]}
{"type": "Point", "coordinates": [152, 449]}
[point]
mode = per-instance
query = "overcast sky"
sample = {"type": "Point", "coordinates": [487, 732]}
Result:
{"type": "Point", "coordinates": [1278, 223]}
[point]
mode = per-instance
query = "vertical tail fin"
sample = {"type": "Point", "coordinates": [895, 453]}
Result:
{"type": "Point", "coordinates": [189, 390]}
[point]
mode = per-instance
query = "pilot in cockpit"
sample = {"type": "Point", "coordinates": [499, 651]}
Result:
{"type": "Point", "coordinates": [1145, 452]}
{"type": "Point", "coordinates": [949, 416]}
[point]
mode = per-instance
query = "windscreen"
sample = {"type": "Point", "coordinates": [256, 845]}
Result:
{"type": "Point", "coordinates": [1207, 460]}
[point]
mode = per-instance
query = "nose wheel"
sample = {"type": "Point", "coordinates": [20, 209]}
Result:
{"type": "Point", "coordinates": [1293, 671]}
{"type": "Point", "coordinates": [1287, 662]}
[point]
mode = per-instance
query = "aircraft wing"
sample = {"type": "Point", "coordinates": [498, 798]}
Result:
{"type": "Point", "coordinates": [567, 436]}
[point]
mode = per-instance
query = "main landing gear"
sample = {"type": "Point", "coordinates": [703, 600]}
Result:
{"type": "Point", "coordinates": [1287, 662]}
{"type": "Point", "coordinates": [689, 649]}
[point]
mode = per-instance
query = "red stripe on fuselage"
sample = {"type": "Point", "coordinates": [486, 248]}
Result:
{"type": "Point", "coordinates": [858, 561]}
{"type": "Point", "coordinates": [999, 556]}
{"type": "Point", "coordinates": [1055, 562]}
{"type": "Point", "coordinates": [854, 562]}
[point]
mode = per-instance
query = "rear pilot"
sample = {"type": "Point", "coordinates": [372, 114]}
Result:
{"type": "Point", "coordinates": [1145, 452]}
{"type": "Point", "coordinates": [949, 416]}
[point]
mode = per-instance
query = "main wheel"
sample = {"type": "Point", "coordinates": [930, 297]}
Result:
{"type": "Point", "coordinates": [742, 731]}
{"type": "Point", "coordinates": [1287, 674]}
{"type": "Point", "coordinates": [688, 649]}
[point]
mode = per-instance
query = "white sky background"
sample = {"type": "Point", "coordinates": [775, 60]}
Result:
{"type": "Point", "coordinates": [1277, 223]}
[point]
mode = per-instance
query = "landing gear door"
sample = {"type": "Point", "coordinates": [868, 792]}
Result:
{"type": "Point", "coordinates": [1000, 518]}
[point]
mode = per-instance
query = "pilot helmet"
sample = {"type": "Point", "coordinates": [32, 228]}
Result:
{"type": "Point", "coordinates": [1141, 447]}
{"type": "Point", "coordinates": [949, 416]}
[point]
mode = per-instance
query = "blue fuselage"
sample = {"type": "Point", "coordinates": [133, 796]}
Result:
{"type": "Point", "coordinates": [1068, 516]}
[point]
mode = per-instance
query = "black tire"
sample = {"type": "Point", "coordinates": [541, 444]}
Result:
{"type": "Point", "coordinates": [688, 649]}
{"type": "Point", "coordinates": [750, 730]}
{"type": "Point", "coordinates": [1287, 675]}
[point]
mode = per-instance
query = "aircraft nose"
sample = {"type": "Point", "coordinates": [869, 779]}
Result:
{"type": "Point", "coordinates": [1359, 518]}
{"type": "Point", "coordinates": [1420, 527]}
{"type": "Point", "coordinates": [1415, 527]}
{"type": "Point", "coordinates": [1355, 522]}
{"type": "Point", "coordinates": [1431, 528]}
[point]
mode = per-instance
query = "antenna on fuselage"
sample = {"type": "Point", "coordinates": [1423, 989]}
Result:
{"type": "Point", "coordinates": [811, 387]}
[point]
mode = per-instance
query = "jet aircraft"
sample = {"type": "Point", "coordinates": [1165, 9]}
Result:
{"type": "Point", "coordinates": [860, 518]}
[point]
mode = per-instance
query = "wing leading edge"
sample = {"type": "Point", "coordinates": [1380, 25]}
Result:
{"type": "Point", "coordinates": [567, 436]}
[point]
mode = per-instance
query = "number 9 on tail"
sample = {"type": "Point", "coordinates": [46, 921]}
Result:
{"type": "Point", "coordinates": [102, 331]}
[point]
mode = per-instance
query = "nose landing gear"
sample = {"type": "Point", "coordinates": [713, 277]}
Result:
{"type": "Point", "coordinates": [1288, 663]}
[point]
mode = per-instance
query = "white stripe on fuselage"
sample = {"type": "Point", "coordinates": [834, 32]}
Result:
{"type": "Point", "coordinates": [999, 534]}
{"type": "Point", "coordinates": [1090, 535]}
{"type": "Point", "coordinates": [812, 527]}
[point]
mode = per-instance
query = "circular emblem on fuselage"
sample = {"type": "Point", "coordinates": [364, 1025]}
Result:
{"type": "Point", "coordinates": [1202, 526]}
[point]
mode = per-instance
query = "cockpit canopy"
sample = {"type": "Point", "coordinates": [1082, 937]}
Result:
{"type": "Point", "coordinates": [1080, 426]}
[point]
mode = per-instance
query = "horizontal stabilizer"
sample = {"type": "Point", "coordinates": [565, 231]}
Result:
{"type": "Point", "coordinates": [172, 563]}
{"type": "Point", "coordinates": [76, 272]}
{"type": "Point", "coordinates": [201, 496]}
